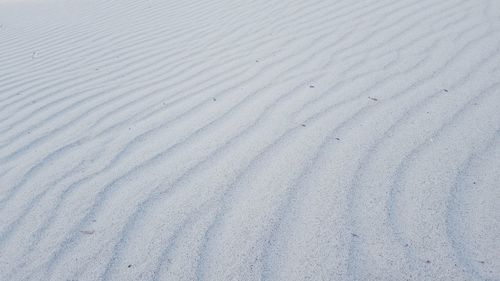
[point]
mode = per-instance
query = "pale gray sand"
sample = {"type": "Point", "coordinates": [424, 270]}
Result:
{"type": "Point", "coordinates": [250, 140]}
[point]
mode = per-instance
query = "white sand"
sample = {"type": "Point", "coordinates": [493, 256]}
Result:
{"type": "Point", "coordinates": [250, 140]}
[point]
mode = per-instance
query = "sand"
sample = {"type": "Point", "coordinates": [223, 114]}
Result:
{"type": "Point", "coordinates": [249, 140]}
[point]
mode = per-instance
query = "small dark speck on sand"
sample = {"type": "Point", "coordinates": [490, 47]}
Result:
{"type": "Point", "coordinates": [337, 138]}
{"type": "Point", "coordinates": [445, 90]}
{"type": "Point", "coordinates": [373, 99]}
{"type": "Point", "coordinates": [481, 262]}
{"type": "Point", "coordinates": [427, 261]}
{"type": "Point", "coordinates": [129, 266]}
{"type": "Point", "coordinates": [354, 235]}
{"type": "Point", "coordinates": [214, 99]}
{"type": "Point", "coordinates": [311, 86]}
{"type": "Point", "coordinates": [303, 125]}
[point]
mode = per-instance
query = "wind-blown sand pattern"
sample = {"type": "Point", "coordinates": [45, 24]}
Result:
{"type": "Point", "coordinates": [250, 140]}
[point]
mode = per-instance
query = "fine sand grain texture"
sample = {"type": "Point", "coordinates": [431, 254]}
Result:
{"type": "Point", "coordinates": [249, 140]}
